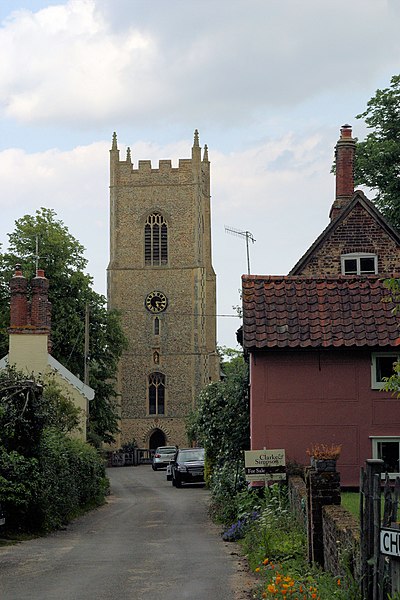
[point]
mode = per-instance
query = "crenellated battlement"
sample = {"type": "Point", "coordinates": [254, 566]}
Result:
{"type": "Point", "coordinates": [124, 171]}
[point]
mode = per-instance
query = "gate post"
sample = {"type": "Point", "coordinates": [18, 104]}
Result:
{"type": "Point", "coordinates": [370, 524]}
{"type": "Point", "coordinates": [322, 488]}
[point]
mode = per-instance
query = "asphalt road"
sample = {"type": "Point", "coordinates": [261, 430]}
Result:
{"type": "Point", "coordinates": [150, 541]}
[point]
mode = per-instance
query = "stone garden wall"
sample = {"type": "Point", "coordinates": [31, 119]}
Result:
{"type": "Point", "coordinates": [340, 530]}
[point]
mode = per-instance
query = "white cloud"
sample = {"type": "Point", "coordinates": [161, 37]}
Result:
{"type": "Point", "coordinates": [87, 61]}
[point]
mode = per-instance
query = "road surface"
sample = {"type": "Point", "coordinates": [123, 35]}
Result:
{"type": "Point", "coordinates": [150, 541]}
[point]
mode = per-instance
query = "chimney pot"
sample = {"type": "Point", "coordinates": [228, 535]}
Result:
{"type": "Point", "coordinates": [345, 131]}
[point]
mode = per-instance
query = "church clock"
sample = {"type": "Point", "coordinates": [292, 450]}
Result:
{"type": "Point", "coordinates": [156, 302]}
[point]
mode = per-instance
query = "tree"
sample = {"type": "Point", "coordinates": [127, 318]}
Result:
{"type": "Point", "coordinates": [392, 384]}
{"type": "Point", "coordinates": [220, 422]}
{"type": "Point", "coordinates": [377, 162]}
{"type": "Point", "coordinates": [70, 290]}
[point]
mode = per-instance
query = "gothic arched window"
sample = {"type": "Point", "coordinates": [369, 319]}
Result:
{"type": "Point", "coordinates": [155, 240]}
{"type": "Point", "coordinates": [156, 387]}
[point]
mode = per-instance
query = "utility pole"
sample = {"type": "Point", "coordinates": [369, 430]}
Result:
{"type": "Point", "coordinates": [248, 236]}
{"type": "Point", "coordinates": [86, 353]}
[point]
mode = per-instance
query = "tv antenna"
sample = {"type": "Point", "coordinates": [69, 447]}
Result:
{"type": "Point", "coordinates": [243, 234]}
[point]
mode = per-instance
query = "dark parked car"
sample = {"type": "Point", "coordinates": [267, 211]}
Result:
{"type": "Point", "coordinates": [187, 466]}
{"type": "Point", "coordinates": [163, 456]}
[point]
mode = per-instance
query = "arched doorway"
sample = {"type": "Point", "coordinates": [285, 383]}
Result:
{"type": "Point", "coordinates": [157, 438]}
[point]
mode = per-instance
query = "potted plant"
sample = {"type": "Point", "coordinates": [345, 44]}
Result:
{"type": "Point", "coordinates": [323, 457]}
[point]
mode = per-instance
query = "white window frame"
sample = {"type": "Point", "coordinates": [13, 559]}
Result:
{"type": "Point", "coordinates": [357, 256]}
{"type": "Point", "coordinates": [375, 454]}
{"type": "Point", "coordinates": [375, 384]}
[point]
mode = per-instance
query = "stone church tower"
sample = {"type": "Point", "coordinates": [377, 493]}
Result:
{"type": "Point", "coordinates": [161, 278]}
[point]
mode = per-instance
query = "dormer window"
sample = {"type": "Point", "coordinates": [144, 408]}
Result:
{"type": "Point", "coordinates": [359, 264]}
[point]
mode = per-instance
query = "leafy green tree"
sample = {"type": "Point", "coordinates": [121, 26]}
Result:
{"type": "Point", "coordinates": [70, 290]}
{"type": "Point", "coordinates": [392, 384]}
{"type": "Point", "coordinates": [220, 422]}
{"type": "Point", "coordinates": [378, 156]}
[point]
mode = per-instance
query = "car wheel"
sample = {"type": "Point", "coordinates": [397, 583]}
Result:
{"type": "Point", "coordinates": [178, 482]}
{"type": "Point", "coordinates": [154, 467]}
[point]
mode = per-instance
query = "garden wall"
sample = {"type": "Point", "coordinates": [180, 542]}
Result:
{"type": "Point", "coordinates": [341, 535]}
{"type": "Point", "coordinates": [341, 530]}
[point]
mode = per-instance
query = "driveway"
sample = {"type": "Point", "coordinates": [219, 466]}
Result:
{"type": "Point", "coordinates": [150, 541]}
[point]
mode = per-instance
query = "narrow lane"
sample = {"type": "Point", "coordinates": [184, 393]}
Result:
{"type": "Point", "coordinates": [150, 541]}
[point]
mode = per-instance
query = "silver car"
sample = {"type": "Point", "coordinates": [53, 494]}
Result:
{"type": "Point", "coordinates": [163, 456]}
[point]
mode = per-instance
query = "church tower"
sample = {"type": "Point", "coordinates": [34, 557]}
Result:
{"type": "Point", "coordinates": [161, 279]}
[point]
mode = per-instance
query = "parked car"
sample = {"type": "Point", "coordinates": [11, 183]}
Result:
{"type": "Point", "coordinates": [163, 456]}
{"type": "Point", "coordinates": [187, 466]}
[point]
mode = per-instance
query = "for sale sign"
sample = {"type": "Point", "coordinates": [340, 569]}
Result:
{"type": "Point", "coordinates": [265, 464]}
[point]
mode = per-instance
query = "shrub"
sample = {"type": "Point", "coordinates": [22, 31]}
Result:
{"type": "Point", "coordinates": [225, 481]}
{"type": "Point", "coordinates": [72, 476]}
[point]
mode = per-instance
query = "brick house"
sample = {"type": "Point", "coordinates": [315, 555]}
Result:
{"type": "Point", "coordinates": [29, 342]}
{"type": "Point", "coordinates": [322, 338]}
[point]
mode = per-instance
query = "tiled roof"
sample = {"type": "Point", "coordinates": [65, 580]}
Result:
{"type": "Point", "coordinates": [304, 312]}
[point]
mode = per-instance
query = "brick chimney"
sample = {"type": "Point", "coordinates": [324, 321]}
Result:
{"type": "Point", "coordinates": [19, 302]}
{"type": "Point", "coordinates": [34, 317]}
{"type": "Point", "coordinates": [344, 153]}
{"type": "Point", "coordinates": [39, 303]}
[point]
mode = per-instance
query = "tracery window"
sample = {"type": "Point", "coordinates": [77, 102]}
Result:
{"type": "Point", "coordinates": [156, 387]}
{"type": "Point", "coordinates": [155, 240]}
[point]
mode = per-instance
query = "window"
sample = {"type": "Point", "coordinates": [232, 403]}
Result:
{"type": "Point", "coordinates": [359, 264]}
{"type": "Point", "coordinates": [155, 240]}
{"type": "Point", "coordinates": [388, 450]}
{"type": "Point", "coordinates": [156, 387]}
{"type": "Point", "coordinates": [382, 367]}
{"type": "Point", "coordinates": [156, 326]}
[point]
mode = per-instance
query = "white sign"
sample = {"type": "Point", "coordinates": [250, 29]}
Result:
{"type": "Point", "coordinates": [390, 542]}
{"type": "Point", "coordinates": [265, 464]}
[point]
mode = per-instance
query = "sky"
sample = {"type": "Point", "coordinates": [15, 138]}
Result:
{"type": "Point", "coordinates": [267, 83]}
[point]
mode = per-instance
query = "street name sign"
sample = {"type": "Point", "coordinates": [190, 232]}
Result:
{"type": "Point", "coordinates": [390, 541]}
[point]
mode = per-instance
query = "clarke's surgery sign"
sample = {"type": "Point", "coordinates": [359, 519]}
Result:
{"type": "Point", "coordinates": [265, 464]}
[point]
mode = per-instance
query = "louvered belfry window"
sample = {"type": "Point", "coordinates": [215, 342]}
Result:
{"type": "Point", "coordinates": [156, 393]}
{"type": "Point", "coordinates": [156, 240]}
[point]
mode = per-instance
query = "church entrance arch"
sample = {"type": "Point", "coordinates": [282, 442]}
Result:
{"type": "Point", "coordinates": [157, 438]}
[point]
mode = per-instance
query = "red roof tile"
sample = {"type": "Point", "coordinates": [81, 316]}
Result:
{"type": "Point", "coordinates": [301, 312]}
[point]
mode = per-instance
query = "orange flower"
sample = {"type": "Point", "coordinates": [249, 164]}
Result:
{"type": "Point", "coordinates": [265, 561]}
{"type": "Point", "coordinates": [257, 569]}
{"type": "Point", "coordinates": [339, 582]}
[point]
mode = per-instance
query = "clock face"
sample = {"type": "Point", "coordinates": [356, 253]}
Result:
{"type": "Point", "coordinates": [156, 302]}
